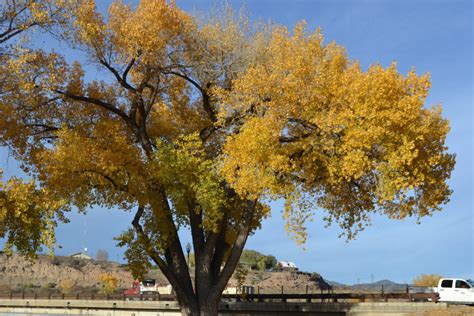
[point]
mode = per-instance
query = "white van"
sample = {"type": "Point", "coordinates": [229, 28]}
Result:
{"type": "Point", "coordinates": [456, 291]}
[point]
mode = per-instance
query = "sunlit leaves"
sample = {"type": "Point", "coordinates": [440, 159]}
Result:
{"type": "Point", "coordinates": [322, 129]}
{"type": "Point", "coordinates": [28, 216]}
{"type": "Point", "coordinates": [185, 171]}
{"type": "Point", "coordinates": [207, 116]}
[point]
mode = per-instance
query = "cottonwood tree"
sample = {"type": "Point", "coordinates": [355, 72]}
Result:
{"type": "Point", "coordinates": [199, 124]}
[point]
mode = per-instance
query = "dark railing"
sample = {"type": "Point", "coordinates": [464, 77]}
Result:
{"type": "Point", "coordinates": [281, 297]}
{"type": "Point", "coordinates": [335, 297]}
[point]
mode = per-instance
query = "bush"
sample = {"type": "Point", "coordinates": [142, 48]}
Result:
{"type": "Point", "coordinates": [109, 283]}
{"type": "Point", "coordinates": [5, 288]}
{"type": "Point", "coordinates": [101, 255]}
{"type": "Point", "coordinates": [66, 286]}
{"type": "Point", "coordinates": [49, 285]}
{"type": "Point", "coordinates": [427, 280]}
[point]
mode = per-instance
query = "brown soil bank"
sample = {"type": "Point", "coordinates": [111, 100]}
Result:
{"type": "Point", "coordinates": [451, 311]}
{"type": "Point", "coordinates": [17, 272]}
{"type": "Point", "coordinates": [47, 272]}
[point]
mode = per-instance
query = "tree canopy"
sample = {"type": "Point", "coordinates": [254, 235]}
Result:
{"type": "Point", "coordinates": [257, 261]}
{"type": "Point", "coordinates": [200, 124]}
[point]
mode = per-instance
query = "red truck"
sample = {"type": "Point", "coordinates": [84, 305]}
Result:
{"type": "Point", "coordinates": [134, 290]}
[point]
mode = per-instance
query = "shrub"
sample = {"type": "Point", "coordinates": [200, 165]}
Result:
{"type": "Point", "coordinates": [66, 286]}
{"type": "Point", "coordinates": [109, 283]}
{"type": "Point", "coordinates": [101, 255]}
{"type": "Point", "coordinates": [427, 280]}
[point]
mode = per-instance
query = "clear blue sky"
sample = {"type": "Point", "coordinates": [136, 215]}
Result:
{"type": "Point", "coordinates": [431, 36]}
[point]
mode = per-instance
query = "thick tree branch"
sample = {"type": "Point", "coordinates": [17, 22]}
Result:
{"type": "Point", "coordinates": [303, 123]}
{"type": "Point", "coordinates": [12, 34]}
{"type": "Point", "coordinates": [174, 253]}
{"type": "Point", "coordinates": [292, 139]}
{"type": "Point", "coordinates": [98, 102]}
{"type": "Point", "coordinates": [205, 96]}
{"type": "Point", "coordinates": [138, 129]}
{"type": "Point", "coordinates": [196, 229]}
{"type": "Point", "coordinates": [220, 249]}
{"type": "Point", "coordinates": [120, 79]}
{"type": "Point", "coordinates": [127, 70]}
{"type": "Point", "coordinates": [150, 249]}
{"type": "Point", "coordinates": [237, 248]}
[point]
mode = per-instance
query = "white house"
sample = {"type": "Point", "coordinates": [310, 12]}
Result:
{"type": "Point", "coordinates": [286, 266]}
{"type": "Point", "coordinates": [80, 255]}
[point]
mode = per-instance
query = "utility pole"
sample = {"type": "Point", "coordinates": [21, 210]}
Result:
{"type": "Point", "coordinates": [188, 250]}
{"type": "Point", "coordinates": [372, 277]}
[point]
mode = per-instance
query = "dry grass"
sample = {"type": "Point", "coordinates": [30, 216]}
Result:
{"type": "Point", "coordinates": [451, 311]}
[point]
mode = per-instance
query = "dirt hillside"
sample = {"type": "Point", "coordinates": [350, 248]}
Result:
{"type": "Point", "coordinates": [16, 272]}
{"type": "Point", "coordinates": [47, 272]}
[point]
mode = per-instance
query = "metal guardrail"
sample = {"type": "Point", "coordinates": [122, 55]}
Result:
{"type": "Point", "coordinates": [88, 296]}
{"type": "Point", "coordinates": [335, 297]}
{"type": "Point", "coordinates": [323, 297]}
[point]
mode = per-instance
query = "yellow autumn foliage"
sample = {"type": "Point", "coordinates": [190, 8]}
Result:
{"type": "Point", "coordinates": [66, 286]}
{"type": "Point", "coordinates": [200, 123]}
{"type": "Point", "coordinates": [109, 283]}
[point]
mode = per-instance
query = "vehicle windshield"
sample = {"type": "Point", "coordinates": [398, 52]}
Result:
{"type": "Point", "coordinates": [471, 282]}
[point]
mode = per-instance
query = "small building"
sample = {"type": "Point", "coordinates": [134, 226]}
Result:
{"type": "Point", "coordinates": [80, 255]}
{"type": "Point", "coordinates": [286, 266]}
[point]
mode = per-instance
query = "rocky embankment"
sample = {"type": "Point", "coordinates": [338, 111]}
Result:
{"type": "Point", "coordinates": [46, 273]}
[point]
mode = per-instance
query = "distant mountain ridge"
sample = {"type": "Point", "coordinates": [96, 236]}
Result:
{"type": "Point", "coordinates": [388, 286]}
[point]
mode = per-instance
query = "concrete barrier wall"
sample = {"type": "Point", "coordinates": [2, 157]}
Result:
{"type": "Point", "coordinates": [149, 308]}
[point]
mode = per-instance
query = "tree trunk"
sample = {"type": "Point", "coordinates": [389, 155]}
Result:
{"type": "Point", "coordinates": [208, 307]}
